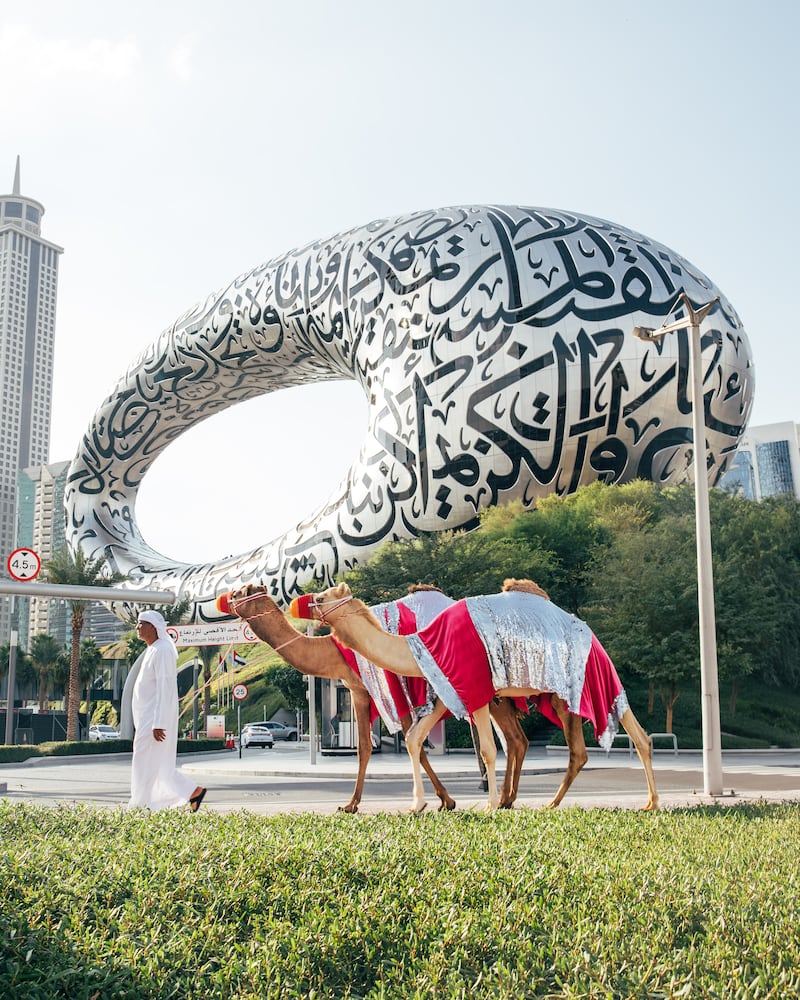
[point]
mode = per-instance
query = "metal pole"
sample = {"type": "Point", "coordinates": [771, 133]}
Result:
{"type": "Point", "coordinates": [709, 680]}
{"type": "Point", "coordinates": [70, 592]}
{"type": "Point", "coordinates": [194, 701]}
{"type": "Point", "coordinates": [312, 720]}
{"type": "Point", "coordinates": [12, 684]}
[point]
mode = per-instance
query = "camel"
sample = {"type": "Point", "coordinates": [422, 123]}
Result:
{"type": "Point", "coordinates": [319, 656]}
{"type": "Point", "coordinates": [475, 674]}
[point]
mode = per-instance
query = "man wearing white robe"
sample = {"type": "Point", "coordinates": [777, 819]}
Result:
{"type": "Point", "coordinates": [155, 781]}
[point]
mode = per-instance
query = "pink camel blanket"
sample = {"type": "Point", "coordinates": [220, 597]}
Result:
{"type": "Point", "coordinates": [484, 644]}
{"type": "Point", "coordinates": [393, 697]}
{"type": "Point", "coordinates": [603, 700]}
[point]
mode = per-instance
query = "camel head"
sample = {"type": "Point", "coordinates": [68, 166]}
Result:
{"type": "Point", "coordinates": [245, 601]}
{"type": "Point", "coordinates": [317, 607]}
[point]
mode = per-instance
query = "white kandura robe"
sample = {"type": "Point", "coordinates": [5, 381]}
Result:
{"type": "Point", "coordinates": [155, 781]}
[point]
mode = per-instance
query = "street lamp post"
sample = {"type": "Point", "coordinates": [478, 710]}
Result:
{"type": "Point", "coordinates": [709, 680]}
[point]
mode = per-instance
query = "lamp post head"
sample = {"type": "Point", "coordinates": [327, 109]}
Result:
{"type": "Point", "coordinates": [646, 333]}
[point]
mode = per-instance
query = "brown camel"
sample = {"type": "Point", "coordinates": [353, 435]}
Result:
{"type": "Point", "coordinates": [319, 656]}
{"type": "Point", "coordinates": [357, 627]}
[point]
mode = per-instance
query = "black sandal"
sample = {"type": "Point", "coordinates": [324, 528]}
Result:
{"type": "Point", "coordinates": [196, 800]}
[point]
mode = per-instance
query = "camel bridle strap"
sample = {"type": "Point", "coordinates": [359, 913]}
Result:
{"type": "Point", "coordinates": [334, 604]}
{"type": "Point", "coordinates": [234, 605]}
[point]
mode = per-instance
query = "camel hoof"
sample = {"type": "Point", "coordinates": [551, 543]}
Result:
{"type": "Point", "coordinates": [447, 805]}
{"type": "Point", "coordinates": [416, 810]}
{"type": "Point", "coordinates": [351, 807]}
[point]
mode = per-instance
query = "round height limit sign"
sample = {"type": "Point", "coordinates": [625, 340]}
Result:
{"type": "Point", "coordinates": [23, 565]}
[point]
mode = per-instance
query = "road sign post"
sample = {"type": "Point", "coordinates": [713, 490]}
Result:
{"type": "Point", "coordinates": [239, 693]}
{"type": "Point", "coordinates": [22, 565]}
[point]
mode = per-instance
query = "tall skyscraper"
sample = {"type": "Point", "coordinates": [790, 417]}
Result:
{"type": "Point", "coordinates": [40, 526]}
{"type": "Point", "coordinates": [767, 462]}
{"type": "Point", "coordinates": [28, 286]}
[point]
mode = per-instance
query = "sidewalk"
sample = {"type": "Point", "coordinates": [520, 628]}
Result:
{"type": "Point", "coordinates": [749, 776]}
{"type": "Point", "coordinates": [285, 779]}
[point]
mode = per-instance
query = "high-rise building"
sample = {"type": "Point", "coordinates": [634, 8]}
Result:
{"type": "Point", "coordinates": [28, 287]}
{"type": "Point", "coordinates": [40, 526]}
{"type": "Point", "coordinates": [767, 462]}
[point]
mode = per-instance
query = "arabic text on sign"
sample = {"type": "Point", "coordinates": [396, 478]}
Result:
{"type": "Point", "coordinates": [211, 634]}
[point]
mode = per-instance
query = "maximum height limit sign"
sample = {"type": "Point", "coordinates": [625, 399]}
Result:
{"type": "Point", "coordinates": [24, 565]}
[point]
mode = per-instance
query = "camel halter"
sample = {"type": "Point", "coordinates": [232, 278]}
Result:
{"type": "Point", "coordinates": [234, 606]}
{"type": "Point", "coordinates": [334, 604]}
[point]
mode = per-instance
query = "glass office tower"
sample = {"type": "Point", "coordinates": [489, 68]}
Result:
{"type": "Point", "coordinates": [28, 287]}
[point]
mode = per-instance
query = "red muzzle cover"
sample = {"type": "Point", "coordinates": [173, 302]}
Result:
{"type": "Point", "coordinates": [301, 606]}
{"type": "Point", "coordinates": [224, 603]}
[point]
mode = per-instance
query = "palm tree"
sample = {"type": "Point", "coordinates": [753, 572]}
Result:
{"type": "Point", "coordinates": [89, 667]}
{"type": "Point", "coordinates": [77, 571]}
{"type": "Point", "coordinates": [44, 654]}
{"type": "Point", "coordinates": [207, 656]}
{"type": "Point", "coordinates": [61, 677]}
{"type": "Point", "coordinates": [23, 673]}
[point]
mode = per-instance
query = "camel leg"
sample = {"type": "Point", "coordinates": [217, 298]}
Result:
{"type": "Point", "coordinates": [643, 747]}
{"type": "Point", "coordinates": [483, 723]}
{"type": "Point", "coordinates": [504, 714]}
{"type": "Point", "coordinates": [573, 734]}
{"type": "Point", "coordinates": [476, 746]}
{"type": "Point", "coordinates": [361, 709]}
{"type": "Point", "coordinates": [415, 738]}
{"type": "Point", "coordinates": [446, 801]}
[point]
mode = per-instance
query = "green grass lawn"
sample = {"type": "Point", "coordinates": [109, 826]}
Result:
{"type": "Point", "coordinates": [570, 903]}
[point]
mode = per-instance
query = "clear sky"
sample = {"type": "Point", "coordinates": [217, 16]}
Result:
{"type": "Point", "coordinates": [178, 144]}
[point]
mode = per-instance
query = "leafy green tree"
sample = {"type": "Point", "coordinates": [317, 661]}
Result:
{"type": "Point", "coordinates": [461, 564]}
{"type": "Point", "coordinates": [135, 647]}
{"type": "Point", "coordinates": [568, 529]}
{"type": "Point", "coordinates": [27, 676]}
{"type": "Point", "coordinates": [291, 684]}
{"type": "Point", "coordinates": [77, 571]}
{"type": "Point", "coordinates": [24, 674]}
{"type": "Point", "coordinates": [45, 651]}
{"type": "Point", "coordinates": [644, 600]}
{"type": "Point", "coordinates": [757, 588]}
{"type": "Point", "coordinates": [104, 714]}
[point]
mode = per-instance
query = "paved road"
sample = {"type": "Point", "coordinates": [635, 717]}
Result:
{"type": "Point", "coordinates": [284, 780]}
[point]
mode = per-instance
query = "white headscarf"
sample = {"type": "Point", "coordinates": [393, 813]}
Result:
{"type": "Point", "coordinates": [156, 619]}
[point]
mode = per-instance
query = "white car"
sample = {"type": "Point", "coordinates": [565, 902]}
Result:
{"type": "Point", "coordinates": [254, 735]}
{"type": "Point", "coordinates": [103, 733]}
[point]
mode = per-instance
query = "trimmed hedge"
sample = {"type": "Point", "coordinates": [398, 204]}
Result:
{"type": "Point", "coordinates": [83, 748]}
